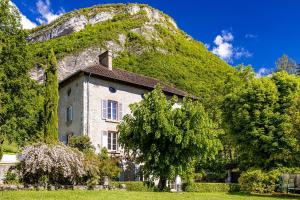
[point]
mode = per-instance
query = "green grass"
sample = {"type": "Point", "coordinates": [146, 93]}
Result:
{"type": "Point", "coordinates": [123, 195]}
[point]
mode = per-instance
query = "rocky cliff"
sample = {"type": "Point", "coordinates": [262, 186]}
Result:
{"type": "Point", "coordinates": [143, 39]}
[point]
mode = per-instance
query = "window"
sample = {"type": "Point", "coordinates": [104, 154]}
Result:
{"type": "Point", "coordinates": [69, 91]}
{"type": "Point", "coordinates": [112, 141]}
{"type": "Point", "coordinates": [111, 110]}
{"type": "Point", "coordinates": [69, 114]}
{"type": "Point", "coordinates": [112, 90]}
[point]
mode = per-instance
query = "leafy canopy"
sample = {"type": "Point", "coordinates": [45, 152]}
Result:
{"type": "Point", "coordinates": [261, 115]}
{"type": "Point", "coordinates": [20, 100]}
{"type": "Point", "coordinates": [167, 138]}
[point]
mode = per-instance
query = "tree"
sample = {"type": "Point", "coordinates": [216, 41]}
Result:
{"type": "Point", "coordinates": [20, 99]}
{"type": "Point", "coordinates": [51, 100]}
{"type": "Point", "coordinates": [167, 140]}
{"type": "Point", "coordinates": [82, 143]}
{"type": "Point", "coordinates": [257, 115]}
{"type": "Point", "coordinates": [284, 63]}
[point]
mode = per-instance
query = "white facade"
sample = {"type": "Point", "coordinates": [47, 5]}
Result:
{"type": "Point", "coordinates": [86, 96]}
{"type": "Point", "coordinates": [92, 102]}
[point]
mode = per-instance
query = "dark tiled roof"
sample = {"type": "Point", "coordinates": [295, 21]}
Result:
{"type": "Point", "coordinates": [131, 78]}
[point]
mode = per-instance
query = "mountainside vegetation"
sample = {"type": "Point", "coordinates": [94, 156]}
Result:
{"type": "Point", "coordinates": [159, 50]}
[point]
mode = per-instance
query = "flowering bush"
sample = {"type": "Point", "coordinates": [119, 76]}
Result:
{"type": "Point", "coordinates": [55, 164]}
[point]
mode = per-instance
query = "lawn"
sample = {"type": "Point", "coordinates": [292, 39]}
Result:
{"type": "Point", "coordinates": [124, 195]}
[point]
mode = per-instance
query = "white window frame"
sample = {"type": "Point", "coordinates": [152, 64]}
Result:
{"type": "Point", "coordinates": [107, 106]}
{"type": "Point", "coordinates": [112, 110]}
{"type": "Point", "coordinates": [111, 136]}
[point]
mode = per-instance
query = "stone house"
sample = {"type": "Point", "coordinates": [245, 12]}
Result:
{"type": "Point", "coordinates": [93, 100]}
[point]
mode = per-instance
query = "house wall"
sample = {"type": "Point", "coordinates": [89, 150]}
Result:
{"type": "Point", "coordinates": [75, 99]}
{"type": "Point", "coordinates": [86, 98]}
{"type": "Point", "coordinates": [97, 90]}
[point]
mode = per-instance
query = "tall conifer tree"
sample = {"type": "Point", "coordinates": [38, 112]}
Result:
{"type": "Point", "coordinates": [51, 100]}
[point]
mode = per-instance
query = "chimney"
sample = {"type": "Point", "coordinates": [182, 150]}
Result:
{"type": "Point", "coordinates": [105, 59]}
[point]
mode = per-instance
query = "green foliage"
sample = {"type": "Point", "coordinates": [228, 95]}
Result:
{"type": "Point", "coordinates": [92, 168]}
{"type": "Point", "coordinates": [262, 116]}
{"type": "Point", "coordinates": [20, 100]}
{"type": "Point", "coordinates": [51, 101]}
{"type": "Point", "coordinates": [133, 186]}
{"type": "Point", "coordinates": [182, 61]}
{"type": "Point", "coordinates": [167, 140]}
{"type": "Point", "coordinates": [211, 187]}
{"type": "Point", "coordinates": [98, 167]}
{"type": "Point", "coordinates": [109, 165]}
{"type": "Point", "coordinates": [10, 147]}
{"type": "Point", "coordinates": [9, 18]}
{"type": "Point", "coordinates": [258, 181]}
{"type": "Point", "coordinates": [82, 143]}
{"type": "Point", "coordinates": [12, 176]}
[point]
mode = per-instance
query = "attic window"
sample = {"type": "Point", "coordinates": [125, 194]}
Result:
{"type": "Point", "coordinates": [69, 91]}
{"type": "Point", "coordinates": [112, 89]}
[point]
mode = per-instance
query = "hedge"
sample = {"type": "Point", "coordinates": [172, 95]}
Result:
{"type": "Point", "coordinates": [212, 187]}
{"type": "Point", "coordinates": [195, 187]}
{"type": "Point", "coordinates": [133, 186]}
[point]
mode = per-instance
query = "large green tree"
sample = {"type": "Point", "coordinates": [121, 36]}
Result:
{"type": "Point", "coordinates": [258, 115]}
{"type": "Point", "coordinates": [19, 99]}
{"type": "Point", "coordinates": [167, 139]}
{"type": "Point", "coordinates": [51, 100]}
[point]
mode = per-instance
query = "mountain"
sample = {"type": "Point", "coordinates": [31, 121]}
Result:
{"type": "Point", "coordinates": [143, 39]}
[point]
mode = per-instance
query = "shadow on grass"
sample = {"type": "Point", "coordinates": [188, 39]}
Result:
{"type": "Point", "coordinates": [273, 196]}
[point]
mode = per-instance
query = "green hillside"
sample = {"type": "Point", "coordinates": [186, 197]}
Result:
{"type": "Point", "coordinates": [169, 55]}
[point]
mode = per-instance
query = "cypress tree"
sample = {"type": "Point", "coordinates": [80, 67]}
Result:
{"type": "Point", "coordinates": [51, 100]}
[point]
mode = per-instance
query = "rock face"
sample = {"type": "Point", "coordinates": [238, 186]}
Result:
{"type": "Point", "coordinates": [77, 21]}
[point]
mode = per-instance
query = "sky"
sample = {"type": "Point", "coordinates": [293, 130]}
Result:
{"type": "Point", "coordinates": [249, 32]}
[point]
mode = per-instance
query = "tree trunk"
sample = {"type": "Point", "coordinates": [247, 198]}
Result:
{"type": "Point", "coordinates": [162, 183]}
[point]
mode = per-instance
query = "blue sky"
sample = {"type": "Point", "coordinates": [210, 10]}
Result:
{"type": "Point", "coordinates": [254, 32]}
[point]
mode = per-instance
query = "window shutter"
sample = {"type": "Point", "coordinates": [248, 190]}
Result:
{"type": "Point", "coordinates": [104, 109]}
{"type": "Point", "coordinates": [120, 111]}
{"type": "Point", "coordinates": [104, 139]}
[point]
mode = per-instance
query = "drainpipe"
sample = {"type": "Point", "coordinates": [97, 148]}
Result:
{"type": "Point", "coordinates": [88, 105]}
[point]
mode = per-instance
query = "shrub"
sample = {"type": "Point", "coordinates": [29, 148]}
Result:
{"type": "Point", "coordinates": [211, 187]}
{"type": "Point", "coordinates": [57, 164]}
{"type": "Point", "coordinates": [258, 181]}
{"type": "Point", "coordinates": [12, 176]}
{"type": "Point", "coordinates": [92, 168]}
{"type": "Point", "coordinates": [134, 186]}
{"type": "Point", "coordinates": [82, 143]}
{"type": "Point", "coordinates": [109, 165]}
{"type": "Point", "coordinates": [98, 166]}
